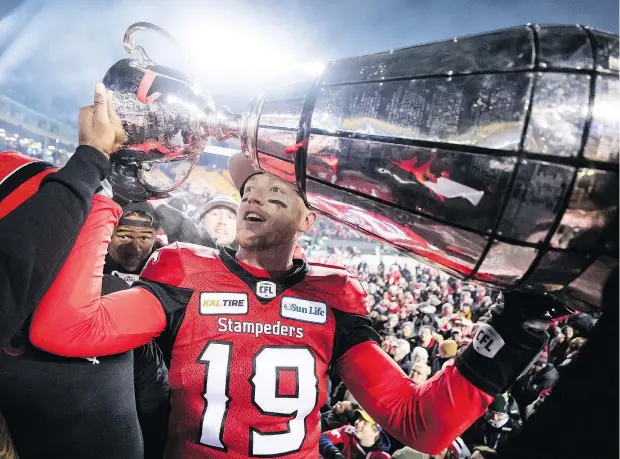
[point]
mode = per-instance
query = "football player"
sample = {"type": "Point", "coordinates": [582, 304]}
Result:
{"type": "Point", "coordinates": [254, 333]}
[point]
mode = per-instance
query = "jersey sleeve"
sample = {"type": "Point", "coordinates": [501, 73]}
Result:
{"type": "Point", "coordinates": [352, 325]}
{"type": "Point", "coordinates": [36, 234]}
{"type": "Point", "coordinates": [426, 417]}
{"type": "Point", "coordinates": [74, 320]}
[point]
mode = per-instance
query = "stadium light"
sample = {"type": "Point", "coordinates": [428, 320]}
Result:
{"type": "Point", "coordinates": [219, 48]}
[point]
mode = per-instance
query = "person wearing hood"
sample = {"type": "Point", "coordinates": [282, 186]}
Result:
{"type": "Point", "coordinates": [494, 427]}
{"type": "Point", "coordinates": [363, 440]}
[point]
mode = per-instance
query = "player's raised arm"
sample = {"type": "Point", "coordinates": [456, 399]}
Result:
{"type": "Point", "coordinates": [430, 416]}
{"type": "Point", "coordinates": [73, 320]}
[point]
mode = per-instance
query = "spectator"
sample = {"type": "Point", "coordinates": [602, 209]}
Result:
{"type": "Point", "coordinates": [419, 372]}
{"type": "Point", "coordinates": [456, 335]}
{"type": "Point", "coordinates": [426, 341]}
{"type": "Point", "coordinates": [493, 427]}
{"type": "Point", "coordinates": [219, 219]}
{"type": "Point", "coordinates": [364, 440]}
{"type": "Point", "coordinates": [132, 242]}
{"type": "Point", "coordinates": [573, 348]}
{"type": "Point", "coordinates": [541, 377]}
{"type": "Point", "coordinates": [467, 327]}
{"type": "Point", "coordinates": [419, 355]}
{"type": "Point", "coordinates": [445, 355]}
{"type": "Point", "coordinates": [407, 332]}
{"type": "Point", "coordinates": [342, 413]}
{"type": "Point", "coordinates": [560, 343]}
{"type": "Point", "coordinates": [465, 312]}
{"type": "Point", "coordinates": [401, 353]}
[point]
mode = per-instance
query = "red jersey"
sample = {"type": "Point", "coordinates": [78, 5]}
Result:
{"type": "Point", "coordinates": [249, 353]}
{"type": "Point", "coordinates": [249, 362]}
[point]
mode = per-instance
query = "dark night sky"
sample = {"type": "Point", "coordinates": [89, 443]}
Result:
{"type": "Point", "coordinates": [53, 51]}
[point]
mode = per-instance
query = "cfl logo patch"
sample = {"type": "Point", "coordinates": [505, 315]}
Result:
{"type": "Point", "coordinates": [487, 341]}
{"type": "Point", "coordinates": [266, 289]}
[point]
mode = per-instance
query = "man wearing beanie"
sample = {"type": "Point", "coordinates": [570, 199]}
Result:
{"type": "Point", "coordinates": [494, 427]}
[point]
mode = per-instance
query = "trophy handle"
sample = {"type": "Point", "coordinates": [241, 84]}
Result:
{"type": "Point", "coordinates": [131, 48]}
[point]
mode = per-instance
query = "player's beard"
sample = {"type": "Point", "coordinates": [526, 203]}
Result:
{"type": "Point", "coordinates": [274, 238]}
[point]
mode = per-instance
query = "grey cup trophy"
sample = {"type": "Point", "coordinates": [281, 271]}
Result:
{"type": "Point", "coordinates": [492, 157]}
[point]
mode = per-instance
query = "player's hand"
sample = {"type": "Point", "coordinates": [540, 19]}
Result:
{"type": "Point", "coordinates": [98, 125]}
{"type": "Point", "coordinates": [506, 345]}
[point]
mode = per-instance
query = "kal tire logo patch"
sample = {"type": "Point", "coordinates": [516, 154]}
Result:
{"type": "Point", "coordinates": [303, 310]}
{"type": "Point", "coordinates": [487, 341]}
{"type": "Point", "coordinates": [223, 303]}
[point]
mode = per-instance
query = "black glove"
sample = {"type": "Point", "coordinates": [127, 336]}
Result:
{"type": "Point", "coordinates": [338, 455]}
{"type": "Point", "coordinates": [508, 343]}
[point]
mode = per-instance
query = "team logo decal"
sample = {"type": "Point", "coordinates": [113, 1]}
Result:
{"type": "Point", "coordinates": [223, 303]}
{"type": "Point", "coordinates": [129, 278]}
{"type": "Point", "coordinates": [487, 341]}
{"type": "Point", "coordinates": [303, 310]}
{"type": "Point", "coordinates": [266, 289]}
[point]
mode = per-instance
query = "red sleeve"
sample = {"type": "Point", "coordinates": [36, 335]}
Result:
{"type": "Point", "coordinates": [336, 436]}
{"type": "Point", "coordinates": [427, 417]}
{"type": "Point", "coordinates": [73, 320]}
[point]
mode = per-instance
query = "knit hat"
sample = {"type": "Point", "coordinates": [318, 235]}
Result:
{"type": "Point", "coordinates": [220, 200]}
{"type": "Point", "coordinates": [420, 352]}
{"type": "Point", "coordinates": [449, 348]}
{"type": "Point", "coordinates": [499, 404]}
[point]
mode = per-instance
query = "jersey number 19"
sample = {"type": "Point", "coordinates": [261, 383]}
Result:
{"type": "Point", "coordinates": [267, 363]}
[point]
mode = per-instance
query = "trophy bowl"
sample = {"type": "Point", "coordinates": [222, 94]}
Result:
{"type": "Point", "coordinates": [492, 157]}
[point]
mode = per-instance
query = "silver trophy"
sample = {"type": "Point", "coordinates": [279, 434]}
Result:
{"type": "Point", "coordinates": [492, 157]}
{"type": "Point", "coordinates": [166, 117]}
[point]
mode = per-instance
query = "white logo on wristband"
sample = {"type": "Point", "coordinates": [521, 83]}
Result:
{"type": "Point", "coordinates": [487, 341]}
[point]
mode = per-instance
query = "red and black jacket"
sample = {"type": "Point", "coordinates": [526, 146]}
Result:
{"type": "Point", "coordinates": [41, 212]}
